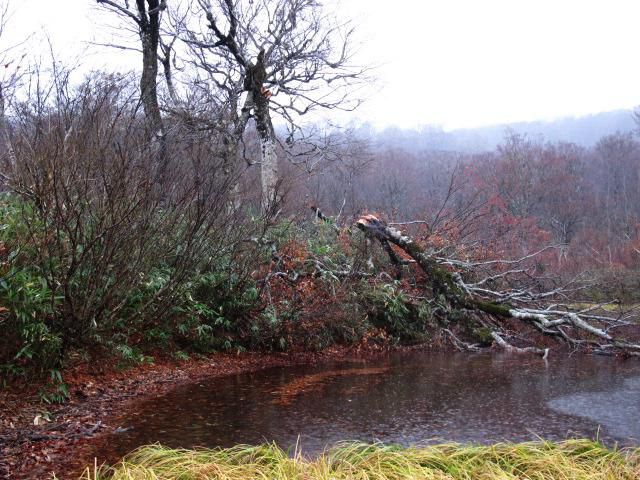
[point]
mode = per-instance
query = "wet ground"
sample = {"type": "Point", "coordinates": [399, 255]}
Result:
{"type": "Point", "coordinates": [407, 398]}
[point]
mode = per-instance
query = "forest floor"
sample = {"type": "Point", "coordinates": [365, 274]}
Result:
{"type": "Point", "coordinates": [37, 439]}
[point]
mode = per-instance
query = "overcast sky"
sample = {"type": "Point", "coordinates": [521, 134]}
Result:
{"type": "Point", "coordinates": [456, 63]}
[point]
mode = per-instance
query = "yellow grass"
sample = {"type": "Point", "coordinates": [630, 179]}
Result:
{"type": "Point", "coordinates": [568, 460]}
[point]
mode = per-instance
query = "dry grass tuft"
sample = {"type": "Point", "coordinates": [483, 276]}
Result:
{"type": "Point", "coordinates": [571, 459]}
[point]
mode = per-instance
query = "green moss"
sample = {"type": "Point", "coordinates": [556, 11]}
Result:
{"type": "Point", "coordinates": [501, 310]}
{"type": "Point", "coordinates": [483, 336]}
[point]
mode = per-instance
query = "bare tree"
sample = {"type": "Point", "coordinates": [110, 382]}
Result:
{"type": "Point", "coordinates": [96, 224]}
{"type": "Point", "coordinates": [286, 57]}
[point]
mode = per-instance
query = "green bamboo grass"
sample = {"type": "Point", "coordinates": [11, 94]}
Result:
{"type": "Point", "coordinates": [567, 460]}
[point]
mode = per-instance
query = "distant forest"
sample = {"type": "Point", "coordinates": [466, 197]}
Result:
{"type": "Point", "coordinates": [585, 131]}
{"type": "Point", "coordinates": [571, 182]}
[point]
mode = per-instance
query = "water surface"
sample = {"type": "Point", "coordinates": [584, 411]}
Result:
{"type": "Point", "coordinates": [410, 398]}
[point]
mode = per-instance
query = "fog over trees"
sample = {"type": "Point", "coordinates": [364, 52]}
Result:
{"type": "Point", "coordinates": [584, 131]}
{"type": "Point", "coordinates": [583, 198]}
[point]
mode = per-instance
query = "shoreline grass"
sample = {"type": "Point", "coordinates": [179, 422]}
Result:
{"type": "Point", "coordinates": [540, 460]}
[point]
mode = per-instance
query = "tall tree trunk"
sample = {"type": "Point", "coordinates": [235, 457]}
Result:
{"type": "Point", "coordinates": [255, 76]}
{"type": "Point", "coordinates": [269, 158]}
{"type": "Point", "coordinates": [148, 84]}
{"type": "Point", "coordinates": [150, 37]}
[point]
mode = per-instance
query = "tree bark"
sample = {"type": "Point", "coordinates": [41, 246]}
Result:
{"type": "Point", "coordinates": [255, 75]}
{"type": "Point", "coordinates": [269, 162]}
{"type": "Point", "coordinates": [269, 173]}
{"type": "Point", "coordinates": [150, 38]}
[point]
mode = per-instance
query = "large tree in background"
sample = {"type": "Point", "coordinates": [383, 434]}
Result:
{"type": "Point", "coordinates": [285, 58]}
{"type": "Point", "coordinates": [246, 60]}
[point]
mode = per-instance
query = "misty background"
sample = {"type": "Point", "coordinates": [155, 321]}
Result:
{"type": "Point", "coordinates": [585, 131]}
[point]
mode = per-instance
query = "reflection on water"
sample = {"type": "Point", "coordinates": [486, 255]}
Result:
{"type": "Point", "coordinates": [303, 384]}
{"type": "Point", "coordinates": [405, 398]}
{"type": "Point", "coordinates": [616, 410]}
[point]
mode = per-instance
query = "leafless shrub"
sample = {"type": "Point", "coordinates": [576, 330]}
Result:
{"type": "Point", "coordinates": [116, 231]}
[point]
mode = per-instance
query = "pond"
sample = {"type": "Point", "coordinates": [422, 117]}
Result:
{"type": "Point", "coordinates": [408, 398]}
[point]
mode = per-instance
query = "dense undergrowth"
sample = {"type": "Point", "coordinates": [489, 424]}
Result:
{"type": "Point", "coordinates": [291, 299]}
{"type": "Point", "coordinates": [280, 292]}
{"type": "Point", "coordinates": [289, 285]}
{"type": "Point", "coordinates": [116, 246]}
{"type": "Point", "coordinates": [574, 459]}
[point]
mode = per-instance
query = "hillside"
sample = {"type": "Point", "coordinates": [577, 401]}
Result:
{"type": "Point", "coordinates": [585, 131]}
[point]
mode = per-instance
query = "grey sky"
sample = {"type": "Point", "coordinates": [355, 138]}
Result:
{"type": "Point", "coordinates": [457, 63]}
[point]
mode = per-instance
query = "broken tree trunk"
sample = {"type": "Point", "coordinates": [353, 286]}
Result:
{"type": "Point", "coordinates": [452, 288]}
{"type": "Point", "coordinates": [442, 281]}
{"type": "Point", "coordinates": [258, 99]}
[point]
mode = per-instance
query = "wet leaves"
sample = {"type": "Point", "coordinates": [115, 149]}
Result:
{"type": "Point", "coordinates": [63, 443]}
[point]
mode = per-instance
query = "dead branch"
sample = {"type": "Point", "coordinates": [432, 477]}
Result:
{"type": "Point", "coordinates": [510, 348]}
{"type": "Point", "coordinates": [448, 283]}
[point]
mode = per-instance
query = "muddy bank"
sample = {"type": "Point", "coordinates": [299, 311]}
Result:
{"type": "Point", "coordinates": [97, 400]}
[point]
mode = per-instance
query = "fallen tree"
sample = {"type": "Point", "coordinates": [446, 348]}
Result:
{"type": "Point", "coordinates": [458, 285]}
